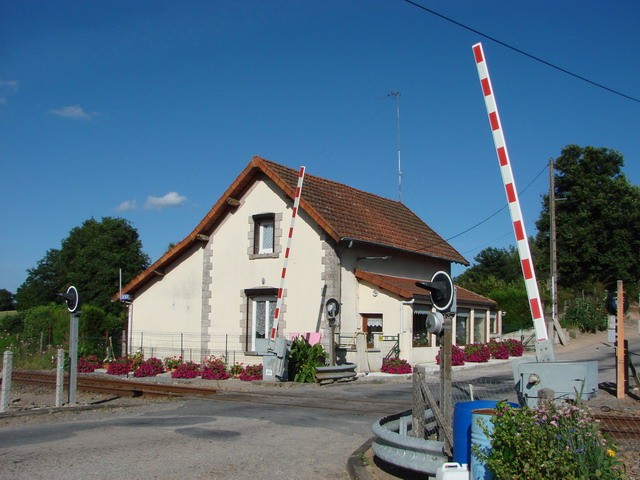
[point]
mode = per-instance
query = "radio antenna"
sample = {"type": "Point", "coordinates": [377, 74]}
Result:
{"type": "Point", "coordinates": [396, 95]}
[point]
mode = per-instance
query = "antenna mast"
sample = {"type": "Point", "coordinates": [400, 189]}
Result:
{"type": "Point", "coordinates": [396, 95]}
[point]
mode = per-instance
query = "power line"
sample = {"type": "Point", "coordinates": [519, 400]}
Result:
{"type": "Point", "coordinates": [522, 52]}
{"type": "Point", "coordinates": [499, 210]}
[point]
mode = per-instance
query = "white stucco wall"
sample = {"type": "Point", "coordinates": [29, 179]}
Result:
{"type": "Point", "coordinates": [234, 270]}
{"type": "Point", "coordinates": [171, 304]}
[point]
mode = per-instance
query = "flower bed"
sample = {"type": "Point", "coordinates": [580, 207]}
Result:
{"type": "Point", "coordinates": [477, 353]}
{"type": "Point", "coordinates": [149, 368]}
{"type": "Point", "coordinates": [88, 364]}
{"type": "Point", "coordinates": [395, 365]}
{"type": "Point", "coordinates": [457, 356]}
{"type": "Point", "coordinates": [551, 441]}
{"type": "Point", "coordinates": [251, 372]}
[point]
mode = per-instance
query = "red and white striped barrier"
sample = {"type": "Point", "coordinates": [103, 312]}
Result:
{"type": "Point", "coordinates": [294, 214]}
{"type": "Point", "coordinates": [512, 195]}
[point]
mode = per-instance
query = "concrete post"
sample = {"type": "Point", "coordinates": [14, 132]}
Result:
{"type": "Point", "coordinates": [59, 377]}
{"type": "Point", "coordinates": [7, 367]}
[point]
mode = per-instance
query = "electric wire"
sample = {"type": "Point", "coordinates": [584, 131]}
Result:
{"type": "Point", "coordinates": [522, 52]}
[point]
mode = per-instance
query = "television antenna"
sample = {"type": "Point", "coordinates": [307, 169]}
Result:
{"type": "Point", "coordinates": [396, 95]}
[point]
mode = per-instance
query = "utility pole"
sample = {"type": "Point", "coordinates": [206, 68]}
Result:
{"type": "Point", "coordinates": [554, 256]}
{"type": "Point", "coordinates": [552, 240]}
{"type": "Point", "coordinates": [396, 95]}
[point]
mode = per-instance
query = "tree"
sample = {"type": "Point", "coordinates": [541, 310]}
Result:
{"type": "Point", "coordinates": [494, 268]}
{"type": "Point", "coordinates": [90, 259]}
{"type": "Point", "coordinates": [497, 275]}
{"type": "Point", "coordinates": [597, 220]}
{"type": "Point", "coordinates": [7, 300]}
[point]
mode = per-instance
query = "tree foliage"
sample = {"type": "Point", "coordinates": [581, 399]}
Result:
{"type": "Point", "coordinates": [7, 300]}
{"type": "Point", "coordinates": [597, 234]}
{"type": "Point", "coordinates": [597, 220]}
{"type": "Point", "coordinates": [497, 275]}
{"type": "Point", "coordinates": [90, 259]}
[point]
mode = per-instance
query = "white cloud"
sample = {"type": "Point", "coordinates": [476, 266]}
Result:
{"type": "Point", "coordinates": [127, 205]}
{"type": "Point", "coordinates": [171, 199]}
{"type": "Point", "coordinates": [73, 112]}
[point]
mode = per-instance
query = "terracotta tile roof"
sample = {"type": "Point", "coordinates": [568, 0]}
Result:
{"type": "Point", "coordinates": [406, 288]}
{"type": "Point", "coordinates": [345, 213]}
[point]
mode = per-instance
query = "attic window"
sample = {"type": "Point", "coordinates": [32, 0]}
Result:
{"type": "Point", "coordinates": [264, 234]}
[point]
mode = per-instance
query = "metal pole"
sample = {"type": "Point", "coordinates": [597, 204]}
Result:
{"type": "Point", "coordinates": [73, 357]}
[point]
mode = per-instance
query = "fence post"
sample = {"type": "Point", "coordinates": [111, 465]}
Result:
{"type": "Point", "coordinates": [7, 368]}
{"type": "Point", "coordinates": [419, 404]}
{"type": "Point", "coordinates": [182, 345]}
{"type": "Point", "coordinates": [59, 377]}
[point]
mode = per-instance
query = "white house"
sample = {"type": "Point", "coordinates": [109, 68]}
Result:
{"type": "Point", "coordinates": [215, 291]}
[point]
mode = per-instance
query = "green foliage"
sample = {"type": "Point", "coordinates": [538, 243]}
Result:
{"type": "Point", "coordinates": [597, 220]}
{"type": "Point", "coordinates": [305, 360]}
{"type": "Point", "coordinates": [587, 314]}
{"type": "Point", "coordinates": [7, 300]}
{"type": "Point", "coordinates": [90, 259]}
{"type": "Point", "coordinates": [494, 269]}
{"type": "Point", "coordinates": [11, 322]}
{"type": "Point", "coordinates": [513, 300]}
{"type": "Point", "coordinates": [551, 442]}
{"type": "Point", "coordinates": [49, 323]}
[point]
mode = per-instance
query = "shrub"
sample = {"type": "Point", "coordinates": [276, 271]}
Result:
{"type": "Point", "coordinates": [236, 369]}
{"type": "Point", "coordinates": [499, 350]}
{"type": "Point", "coordinates": [88, 364]}
{"type": "Point", "coordinates": [477, 353]}
{"type": "Point", "coordinates": [516, 347]}
{"type": "Point", "coordinates": [305, 360]}
{"type": "Point", "coordinates": [171, 363]}
{"type": "Point", "coordinates": [186, 370]}
{"type": "Point", "coordinates": [457, 356]}
{"type": "Point", "coordinates": [395, 365]}
{"type": "Point", "coordinates": [551, 441]}
{"type": "Point", "coordinates": [586, 314]}
{"type": "Point", "coordinates": [149, 368]}
{"type": "Point", "coordinates": [214, 368]}
{"type": "Point", "coordinates": [120, 366]}
{"type": "Point", "coordinates": [251, 372]}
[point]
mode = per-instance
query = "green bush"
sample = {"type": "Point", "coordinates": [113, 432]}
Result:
{"type": "Point", "coordinates": [305, 360]}
{"type": "Point", "coordinates": [587, 315]}
{"type": "Point", "coordinates": [49, 323]}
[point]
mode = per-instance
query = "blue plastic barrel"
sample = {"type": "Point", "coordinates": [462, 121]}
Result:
{"type": "Point", "coordinates": [462, 428]}
{"type": "Point", "coordinates": [481, 419]}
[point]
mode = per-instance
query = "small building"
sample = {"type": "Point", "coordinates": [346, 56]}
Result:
{"type": "Point", "coordinates": [214, 293]}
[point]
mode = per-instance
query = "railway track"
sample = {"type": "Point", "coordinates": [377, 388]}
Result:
{"type": "Point", "coordinates": [277, 397]}
{"type": "Point", "coordinates": [620, 427]}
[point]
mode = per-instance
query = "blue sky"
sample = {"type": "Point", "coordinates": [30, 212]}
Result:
{"type": "Point", "coordinates": [148, 110]}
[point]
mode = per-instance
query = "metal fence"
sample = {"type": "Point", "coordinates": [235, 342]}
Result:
{"type": "Point", "coordinates": [187, 345]}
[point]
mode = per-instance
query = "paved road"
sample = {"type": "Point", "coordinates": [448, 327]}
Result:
{"type": "Point", "coordinates": [197, 438]}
